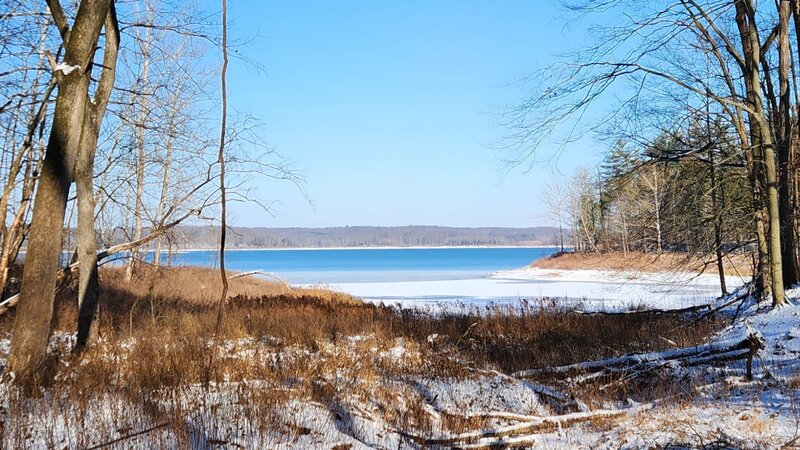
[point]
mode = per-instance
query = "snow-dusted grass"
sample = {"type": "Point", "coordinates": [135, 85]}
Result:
{"type": "Point", "coordinates": [298, 372]}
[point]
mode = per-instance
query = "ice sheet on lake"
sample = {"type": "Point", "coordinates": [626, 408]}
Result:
{"type": "Point", "coordinates": [593, 289]}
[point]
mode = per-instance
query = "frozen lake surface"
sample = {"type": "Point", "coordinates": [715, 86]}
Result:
{"type": "Point", "coordinates": [468, 276]}
{"type": "Point", "coordinates": [589, 289]}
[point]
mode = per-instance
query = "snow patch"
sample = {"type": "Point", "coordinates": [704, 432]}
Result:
{"type": "Point", "coordinates": [66, 69]}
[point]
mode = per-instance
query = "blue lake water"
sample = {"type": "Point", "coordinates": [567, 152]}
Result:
{"type": "Point", "coordinates": [331, 266]}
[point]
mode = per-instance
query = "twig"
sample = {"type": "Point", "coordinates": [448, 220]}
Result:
{"type": "Point", "coordinates": [247, 274]}
{"type": "Point", "coordinates": [128, 436]}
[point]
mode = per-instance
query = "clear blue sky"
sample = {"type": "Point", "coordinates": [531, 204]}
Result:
{"type": "Point", "coordinates": [389, 108]}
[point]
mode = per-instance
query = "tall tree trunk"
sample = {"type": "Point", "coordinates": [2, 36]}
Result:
{"type": "Point", "coordinates": [657, 209]}
{"type": "Point", "coordinates": [88, 286]}
{"type": "Point", "coordinates": [716, 216]}
{"type": "Point", "coordinates": [624, 234]}
{"type": "Point", "coordinates": [165, 182]}
{"type": "Point", "coordinates": [783, 120]}
{"type": "Point", "coordinates": [223, 200]}
{"type": "Point", "coordinates": [140, 145]}
{"type": "Point", "coordinates": [35, 309]}
{"type": "Point", "coordinates": [746, 23]}
{"type": "Point", "coordinates": [88, 283]}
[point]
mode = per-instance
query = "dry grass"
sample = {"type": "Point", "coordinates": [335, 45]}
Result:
{"type": "Point", "coordinates": [645, 262]}
{"type": "Point", "coordinates": [200, 286]}
{"type": "Point", "coordinates": [177, 308]}
{"type": "Point", "coordinates": [179, 305]}
{"type": "Point", "coordinates": [281, 344]}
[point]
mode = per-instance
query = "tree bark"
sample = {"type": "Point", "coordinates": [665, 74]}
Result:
{"type": "Point", "coordinates": [140, 144]}
{"type": "Point", "coordinates": [88, 283]}
{"type": "Point", "coordinates": [746, 24]}
{"type": "Point", "coordinates": [717, 217]}
{"type": "Point", "coordinates": [783, 119]}
{"type": "Point", "coordinates": [32, 324]}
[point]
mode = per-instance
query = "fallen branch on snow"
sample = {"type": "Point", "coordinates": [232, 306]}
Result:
{"type": "Point", "coordinates": [688, 310]}
{"type": "Point", "coordinates": [738, 298]}
{"type": "Point", "coordinates": [519, 434]}
{"type": "Point", "coordinates": [685, 357]}
{"type": "Point", "coordinates": [562, 401]}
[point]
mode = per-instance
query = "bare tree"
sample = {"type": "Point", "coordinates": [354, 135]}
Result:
{"type": "Point", "coordinates": [556, 200]}
{"type": "Point", "coordinates": [223, 203]}
{"type": "Point", "coordinates": [661, 50]}
{"type": "Point", "coordinates": [26, 87]}
{"type": "Point", "coordinates": [76, 121]}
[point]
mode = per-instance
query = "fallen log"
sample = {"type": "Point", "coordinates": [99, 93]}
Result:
{"type": "Point", "coordinates": [687, 310]}
{"type": "Point", "coordinates": [517, 433]}
{"type": "Point", "coordinates": [729, 350]}
{"type": "Point", "coordinates": [738, 298]}
{"type": "Point", "coordinates": [494, 444]}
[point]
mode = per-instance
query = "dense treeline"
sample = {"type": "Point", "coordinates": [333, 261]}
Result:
{"type": "Point", "coordinates": [662, 197]}
{"type": "Point", "coordinates": [705, 129]}
{"type": "Point", "coordinates": [365, 236]}
{"type": "Point", "coordinates": [687, 192]}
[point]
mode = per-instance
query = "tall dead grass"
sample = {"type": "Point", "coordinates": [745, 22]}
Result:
{"type": "Point", "coordinates": [281, 344]}
{"type": "Point", "coordinates": [175, 307]}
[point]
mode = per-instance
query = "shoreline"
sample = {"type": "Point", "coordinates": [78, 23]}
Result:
{"type": "Point", "coordinates": [638, 262]}
{"type": "Point", "coordinates": [433, 247]}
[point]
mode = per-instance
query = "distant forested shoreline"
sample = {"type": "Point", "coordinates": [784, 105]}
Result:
{"type": "Point", "coordinates": [194, 237]}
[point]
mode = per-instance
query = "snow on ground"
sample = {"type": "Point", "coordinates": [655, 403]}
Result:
{"type": "Point", "coordinates": [762, 413]}
{"type": "Point", "coordinates": [593, 289]}
{"type": "Point", "coordinates": [723, 408]}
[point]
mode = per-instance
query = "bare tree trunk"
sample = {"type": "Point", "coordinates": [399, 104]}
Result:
{"type": "Point", "coordinates": [773, 207]}
{"type": "Point", "coordinates": [763, 264]}
{"type": "Point", "coordinates": [165, 184]}
{"type": "Point", "coordinates": [746, 23]}
{"type": "Point", "coordinates": [88, 283]}
{"type": "Point", "coordinates": [140, 145]}
{"type": "Point", "coordinates": [657, 209]}
{"type": "Point", "coordinates": [223, 213]}
{"type": "Point", "coordinates": [716, 216]}
{"type": "Point", "coordinates": [791, 268]}
{"type": "Point", "coordinates": [35, 311]}
{"type": "Point", "coordinates": [624, 234]}
{"type": "Point", "coordinates": [32, 325]}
